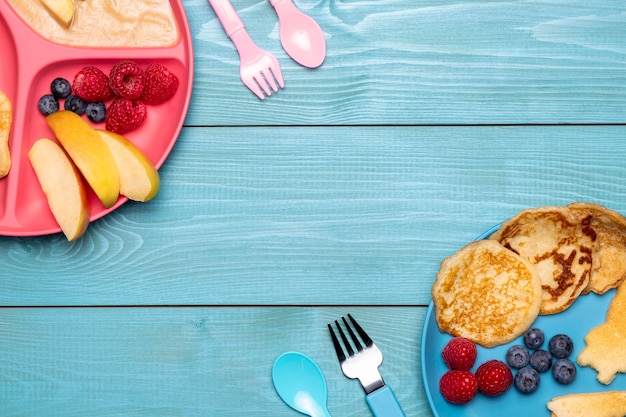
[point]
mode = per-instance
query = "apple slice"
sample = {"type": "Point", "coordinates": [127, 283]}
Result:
{"type": "Point", "coordinates": [63, 186]}
{"type": "Point", "coordinates": [6, 117]}
{"type": "Point", "coordinates": [61, 10]}
{"type": "Point", "coordinates": [139, 179]}
{"type": "Point", "coordinates": [89, 152]}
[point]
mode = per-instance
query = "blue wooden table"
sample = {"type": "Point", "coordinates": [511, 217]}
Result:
{"type": "Point", "coordinates": [428, 123]}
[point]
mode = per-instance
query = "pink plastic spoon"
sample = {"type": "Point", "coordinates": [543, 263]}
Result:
{"type": "Point", "coordinates": [301, 36]}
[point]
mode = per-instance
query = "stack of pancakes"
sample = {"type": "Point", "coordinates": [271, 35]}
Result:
{"type": "Point", "coordinates": [538, 262]}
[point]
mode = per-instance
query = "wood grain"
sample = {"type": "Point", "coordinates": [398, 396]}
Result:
{"type": "Point", "coordinates": [402, 62]}
{"type": "Point", "coordinates": [427, 124]}
{"type": "Point", "coordinates": [314, 215]}
{"type": "Point", "coordinates": [191, 362]}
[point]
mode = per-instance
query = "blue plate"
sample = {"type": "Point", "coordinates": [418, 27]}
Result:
{"type": "Point", "coordinates": [586, 313]}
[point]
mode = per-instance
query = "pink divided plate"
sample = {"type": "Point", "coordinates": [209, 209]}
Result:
{"type": "Point", "coordinates": [29, 64]}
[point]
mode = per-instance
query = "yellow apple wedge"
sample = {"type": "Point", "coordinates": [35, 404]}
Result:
{"type": "Point", "coordinates": [139, 179]}
{"type": "Point", "coordinates": [6, 117]}
{"type": "Point", "coordinates": [62, 10]}
{"type": "Point", "coordinates": [89, 153]}
{"type": "Point", "coordinates": [63, 186]}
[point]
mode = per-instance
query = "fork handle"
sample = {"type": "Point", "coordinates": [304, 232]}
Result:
{"type": "Point", "coordinates": [231, 22]}
{"type": "Point", "coordinates": [383, 403]}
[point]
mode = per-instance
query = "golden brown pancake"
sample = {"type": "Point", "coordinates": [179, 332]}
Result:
{"type": "Point", "coordinates": [486, 293]}
{"type": "Point", "coordinates": [558, 246]}
{"type": "Point", "coordinates": [608, 227]}
{"type": "Point", "coordinates": [592, 404]}
{"type": "Point", "coordinates": [605, 345]}
{"type": "Point", "coordinates": [6, 117]}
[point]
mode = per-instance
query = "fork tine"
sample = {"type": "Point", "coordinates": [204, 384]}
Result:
{"type": "Point", "coordinates": [275, 68]}
{"type": "Point", "coordinates": [364, 367]}
{"type": "Point", "coordinates": [341, 355]}
{"type": "Point", "coordinates": [262, 82]}
{"type": "Point", "coordinates": [338, 349]}
{"type": "Point", "coordinates": [253, 86]}
{"type": "Point", "coordinates": [345, 339]}
{"type": "Point", "coordinates": [366, 339]}
{"type": "Point", "coordinates": [269, 77]}
{"type": "Point", "coordinates": [357, 344]}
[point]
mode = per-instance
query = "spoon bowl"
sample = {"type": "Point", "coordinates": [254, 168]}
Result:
{"type": "Point", "coordinates": [300, 35]}
{"type": "Point", "coordinates": [300, 384]}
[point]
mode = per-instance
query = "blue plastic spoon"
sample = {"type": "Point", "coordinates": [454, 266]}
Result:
{"type": "Point", "coordinates": [301, 384]}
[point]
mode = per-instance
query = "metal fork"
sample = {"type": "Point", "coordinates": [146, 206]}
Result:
{"type": "Point", "coordinates": [259, 70]}
{"type": "Point", "coordinates": [363, 365]}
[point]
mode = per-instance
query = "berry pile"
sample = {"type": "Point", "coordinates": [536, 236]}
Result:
{"type": "Point", "coordinates": [129, 87]}
{"type": "Point", "coordinates": [531, 364]}
{"type": "Point", "coordinates": [459, 385]}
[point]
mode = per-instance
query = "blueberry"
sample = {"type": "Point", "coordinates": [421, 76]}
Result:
{"type": "Point", "coordinates": [60, 88]}
{"type": "Point", "coordinates": [527, 380]}
{"type": "Point", "coordinates": [96, 112]}
{"type": "Point", "coordinates": [48, 104]}
{"type": "Point", "coordinates": [517, 356]}
{"type": "Point", "coordinates": [541, 360]}
{"type": "Point", "coordinates": [533, 338]}
{"type": "Point", "coordinates": [561, 346]}
{"type": "Point", "coordinates": [564, 371]}
{"type": "Point", "coordinates": [75, 104]}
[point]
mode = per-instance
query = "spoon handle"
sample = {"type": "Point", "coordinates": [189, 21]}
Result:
{"type": "Point", "coordinates": [227, 15]}
{"type": "Point", "coordinates": [284, 7]}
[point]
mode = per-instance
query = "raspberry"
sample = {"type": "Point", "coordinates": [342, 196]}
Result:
{"type": "Point", "coordinates": [91, 84]}
{"type": "Point", "coordinates": [127, 79]}
{"type": "Point", "coordinates": [124, 115]}
{"type": "Point", "coordinates": [160, 84]}
{"type": "Point", "coordinates": [459, 353]}
{"type": "Point", "coordinates": [458, 387]}
{"type": "Point", "coordinates": [494, 378]}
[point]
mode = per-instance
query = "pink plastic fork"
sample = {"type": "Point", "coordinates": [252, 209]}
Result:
{"type": "Point", "coordinates": [259, 70]}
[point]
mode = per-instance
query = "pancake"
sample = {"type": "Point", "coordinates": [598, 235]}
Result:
{"type": "Point", "coordinates": [596, 404]}
{"type": "Point", "coordinates": [558, 246]}
{"type": "Point", "coordinates": [6, 117]}
{"type": "Point", "coordinates": [486, 293]}
{"type": "Point", "coordinates": [605, 345]}
{"type": "Point", "coordinates": [609, 251]}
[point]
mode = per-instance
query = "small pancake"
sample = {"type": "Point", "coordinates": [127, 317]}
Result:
{"type": "Point", "coordinates": [609, 251]}
{"type": "Point", "coordinates": [6, 118]}
{"type": "Point", "coordinates": [605, 345]}
{"type": "Point", "coordinates": [560, 249]}
{"type": "Point", "coordinates": [486, 293]}
{"type": "Point", "coordinates": [596, 404]}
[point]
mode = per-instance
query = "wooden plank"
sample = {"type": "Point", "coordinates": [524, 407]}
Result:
{"type": "Point", "coordinates": [191, 362]}
{"type": "Point", "coordinates": [402, 62]}
{"type": "Point", "coordinates": [311, 216]}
